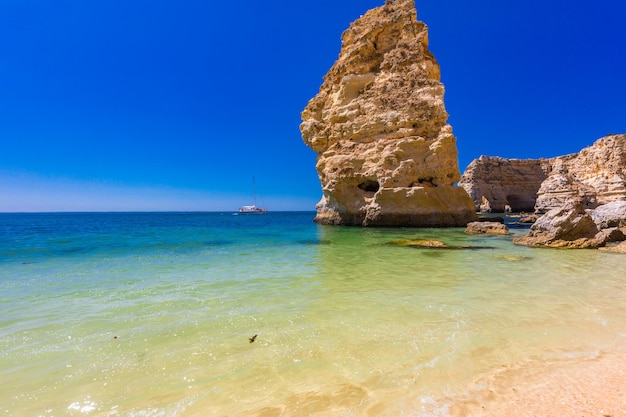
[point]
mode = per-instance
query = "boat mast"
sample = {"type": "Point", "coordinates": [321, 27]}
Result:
{"type": "Point", "coordinates": [254, 190]}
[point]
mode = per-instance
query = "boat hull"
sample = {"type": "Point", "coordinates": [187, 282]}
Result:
{"type": "Point", "coordinates": [252, 210]}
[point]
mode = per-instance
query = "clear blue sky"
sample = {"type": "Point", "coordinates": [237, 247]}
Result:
{"type": "Point", "coordinates": [176, 105]}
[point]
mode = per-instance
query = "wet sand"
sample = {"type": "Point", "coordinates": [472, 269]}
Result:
{"type": "Point", "coordinates": [581, 387]}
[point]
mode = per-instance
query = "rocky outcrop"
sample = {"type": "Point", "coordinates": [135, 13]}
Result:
{"type": "Point", "coordinates": [386, 156]}
{"type": "Point", "coordinates": [594, 176]}
{"type": "Point", "coordinates": [610, 215]}
{"type": "Point", "coordinates": [612, 234]}
{"type": "Point", "coordinates": [486, 228]}
{"type": "Point", "coordinates": [432, 244]}
{"type": "Point", "coordinates": [418, 243]}
{"type": "Point", "coordinates": [528, 218]}
{"type": "Point", "coordinates": [619, 248]}
{"type": "Point", "coordinates": [573, 226]}
{"type": "Point", "coordinates": [568, 226]}
{"type": "Point", "coordinates": [494, 183]}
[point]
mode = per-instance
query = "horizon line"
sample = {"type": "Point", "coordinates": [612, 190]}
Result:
{"type": "Point", "coordinates": [146, 211]}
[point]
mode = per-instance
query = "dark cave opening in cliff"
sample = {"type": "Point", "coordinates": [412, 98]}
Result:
{"type": "Point", "coordinates": [369, 186]}
{"type": "Point", "coordinates": [520, 203]}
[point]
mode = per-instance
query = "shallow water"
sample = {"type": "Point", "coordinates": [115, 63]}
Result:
{"type": "Point", "coordinates": [151, 315]}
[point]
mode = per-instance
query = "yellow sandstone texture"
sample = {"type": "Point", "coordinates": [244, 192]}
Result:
{"type": "Point", "coordinates": [386, 155]}
{"type": "Point", "coordinates": [595, 176]}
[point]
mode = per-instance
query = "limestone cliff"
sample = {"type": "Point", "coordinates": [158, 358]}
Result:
{"type": "Point", "coordinates": [386, 156]}
{"type": "Point", "coordinates": [494, 183]}
{"type": "Point", "coordinates": [594, 176]}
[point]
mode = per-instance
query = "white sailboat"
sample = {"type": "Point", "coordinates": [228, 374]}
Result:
{"type": "Point", "coordinates": [253, 209]}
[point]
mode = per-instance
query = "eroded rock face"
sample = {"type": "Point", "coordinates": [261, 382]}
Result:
{"type": "Point", "coordinates": [610, 215]}
{"type": "Point", "coordinates": [494, 183]}
{"type": "Point", "coordinates": [594, 176]}
{"type": "Point", "coordinates": [568, 226]}
{"type": "Point", "coordinates": [573, 226]}
{"type": "Point", "coordinates": [486, 228]}
{"type": "Point", "coordinates": [386, 156]}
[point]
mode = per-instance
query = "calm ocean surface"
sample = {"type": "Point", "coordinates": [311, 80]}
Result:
{"type": "Point", "coordinates": [149, 314]}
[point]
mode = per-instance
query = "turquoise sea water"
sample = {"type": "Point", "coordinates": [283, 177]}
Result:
{"type": "Point", "coordinates": [150, 314]}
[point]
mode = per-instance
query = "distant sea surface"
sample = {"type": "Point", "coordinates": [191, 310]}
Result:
{"type": "Point", "coordinates": [153, 314]}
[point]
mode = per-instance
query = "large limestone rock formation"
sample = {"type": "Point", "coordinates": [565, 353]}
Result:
{"type": "Point", "coordinates": [568, 226]}
{"type": "Point", "coordinates": [494, 183]}
{"type": "Point", "coordinates": [592, 177]}
{"type": "Point", "coordinates": [386, 156]}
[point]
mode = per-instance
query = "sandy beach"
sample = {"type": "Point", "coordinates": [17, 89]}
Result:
{"type": "Point", "coordinates": [581, 387]}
